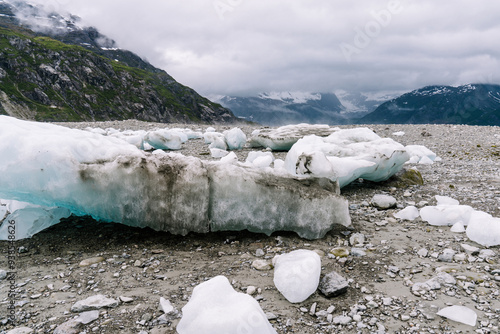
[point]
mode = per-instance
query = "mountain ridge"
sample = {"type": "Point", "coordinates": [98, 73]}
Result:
{"type": "Point", "coordinates": [472, 104]}
{"type": "Point", "coordinates": [46, 78]}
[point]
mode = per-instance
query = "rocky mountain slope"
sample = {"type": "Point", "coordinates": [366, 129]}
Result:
{"type": "Point", "coordinates": [69, 73]}
{"type": "Point", "coordinates": [275, 109]}
{"type": "Point", "coordinates": [475, 104]}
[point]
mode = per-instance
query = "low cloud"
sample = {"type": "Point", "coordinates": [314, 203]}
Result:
{"type": "Point", "coordinates": [242, 47]}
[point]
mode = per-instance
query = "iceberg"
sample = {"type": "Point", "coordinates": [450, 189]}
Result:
{"type": "Point", "coordinates": [283, 138]}
{"type": "Point", "coordinates": [235, 139]}
{"type": "Point", "coordinates": [347, 155]}
{"type": "Point", "coordinates": [112, 180]}
{"type": "Point", "coordinates": [216, 308]}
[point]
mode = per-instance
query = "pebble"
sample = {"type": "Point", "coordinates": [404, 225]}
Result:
{"type": "Point", "coordinates": [262, 265]}
{"type": "Point", "coordinates": [357, 252]}
{"type": "Point", "coordinates": [21, 330]}
{"type": "Point", "coordinates": [91, 261]}
{"type": "Point", "coordinates": [333, 284]}
{"type": "Point", "coordinates": [251, 290]}
{"type": "Point", "coordinates": [340, 252]}
{"type": "Point", "coordinates": [383, 202]}
{"type": "Point", "coordinates": [260, 252]}
{"type": "Point", "coordinates": [3, 274]}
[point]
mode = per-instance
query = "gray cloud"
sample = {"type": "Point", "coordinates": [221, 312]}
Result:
{"type": "Point", "coordinates": [247, 46]}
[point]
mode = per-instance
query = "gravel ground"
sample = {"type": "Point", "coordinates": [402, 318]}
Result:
{"type": "Point", "coordinates": [138, 266]}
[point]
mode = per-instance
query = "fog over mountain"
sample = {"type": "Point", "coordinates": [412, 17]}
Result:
{"type": "Point", "coordinates": [242, 48]}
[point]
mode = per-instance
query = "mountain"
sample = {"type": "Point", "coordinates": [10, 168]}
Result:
{"type": "Point", "coordinates": [281, 108]}
{"type": "Point", "coordinates": [51, 69]}
{"type": "Point", "coordinates": [474, 104]}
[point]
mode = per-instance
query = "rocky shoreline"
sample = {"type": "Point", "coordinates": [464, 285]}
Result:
{"type": "Point", "coordinates": [399, 272]}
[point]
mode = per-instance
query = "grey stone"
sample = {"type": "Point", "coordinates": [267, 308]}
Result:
{"type": "Point", "coordinates": [3, 274]}
{"type": "Point", "coordinates": [21, 330]}
{"type": "Point", "coordinates": [333, 284]}
{"type": "Point", "coordinates": [446, 255]}
{"type": "Point", "coordinates": [94, 303]}
{"type": "Point", "coordinates": [88, 317]}
{"type": "Point", "coordinates": [69, 327]}
{"type": "Point", "coordinates": [357, 239]}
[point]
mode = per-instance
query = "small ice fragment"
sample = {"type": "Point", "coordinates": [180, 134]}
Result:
{"type": "Point", "coordinates": [460, 314]}
{"type": "Point", "coordinates": [296, 274]}
{"type": "Point", "coordinates": [408, 213]}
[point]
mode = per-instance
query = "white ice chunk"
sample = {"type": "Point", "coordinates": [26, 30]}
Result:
{"type": "Point", "coordinates": [218, 153]}
{"type": "Point", "coordinates": [399, 134]}
{"type": "Point", "coordinates": [216, 140]}
{"type": "Point", "coordinates": [283, 138]}
{"type": "Point", "coordinates": [420, 154]}
{"type": "Point", "coordinates": [445, 200]}
{"type": "Point", "coordinates": [260, 159]}
{"type": "Point", "coordinates": [296, 274]}
{"type": "Point", "coordinates": [111, 180]}
{"type": "Point", "coordinates": [484, 229]}
{"type": "Point", "coordinates": [458, 228]}
{"type": "Point", "coordinates": [347, 155]}
{"type": "Point", "coordinates": [230, 158]}
{"type": "Point", "coordinates": [460, 314]}
{"type": "Point", "coordinates": [210, 129]}
{"type": "Point", "coordinates": [446, 215]}
{"type": "Point", "coordinates": [216, 308]}
{"type": "Point", "coordinates": [235, 139]}
{"type": "Point", "coordinates": [165, 139]}
{"type": "Point", "coordinates": [408, 213]}
{"type": "Point", "coordinates": [279, 165]}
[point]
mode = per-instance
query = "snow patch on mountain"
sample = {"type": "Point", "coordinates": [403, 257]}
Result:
{"type": "Point", "coordinates": [291, 97]}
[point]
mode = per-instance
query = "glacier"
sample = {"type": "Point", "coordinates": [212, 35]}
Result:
{"type": "Point", "coordinates": [112, 180]}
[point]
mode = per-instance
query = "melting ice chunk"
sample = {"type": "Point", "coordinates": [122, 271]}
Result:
{"type": "Point", "coordinates": [347, 155]}
{"type": "Point", "coordinates": [112, 180]}
{"type": "Point", "coordinates": [283, 138]}
{"type": "Point", "coordinates": [408, 213]}
{"type": "Point", "coordinates": [215, 308]}
{"type": "Point", "coordinates": [296, 274]}
{"type": "Point", "coordinates": [484, 229]}
{"type": "Point", "coordinates": [235, 138]}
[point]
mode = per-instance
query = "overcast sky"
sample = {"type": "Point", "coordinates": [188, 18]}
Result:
{"type": "Point", "coordinates": [241, 47]}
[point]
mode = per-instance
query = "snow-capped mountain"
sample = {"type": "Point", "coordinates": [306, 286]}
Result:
{"type": "Point", "coordinates": [281, 108]}
{"type": "Point", "coordinates": [473, 104]}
